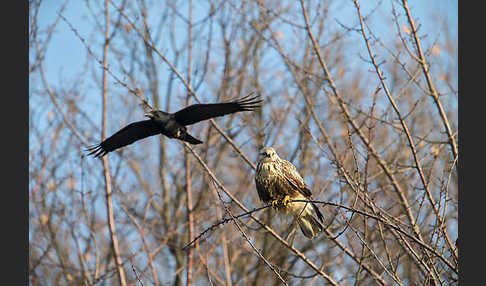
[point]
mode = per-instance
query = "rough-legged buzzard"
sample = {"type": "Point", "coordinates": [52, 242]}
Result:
{"type": "Point", "coordinates": [277, 181]}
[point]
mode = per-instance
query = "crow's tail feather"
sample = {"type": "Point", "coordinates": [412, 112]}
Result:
{"type": "Point", "coordinates": [188, 138]}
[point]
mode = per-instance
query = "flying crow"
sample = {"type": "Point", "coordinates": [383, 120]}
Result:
{"type": "Point", "coordinates": [277, 181]}
{"type": "Point", "coordinates": [172, 125]}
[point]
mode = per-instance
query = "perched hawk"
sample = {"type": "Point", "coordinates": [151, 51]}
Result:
{"type": "Point", "coordinates": [277, 181]}
{"type": "Point", "coordinates": [172, 125]}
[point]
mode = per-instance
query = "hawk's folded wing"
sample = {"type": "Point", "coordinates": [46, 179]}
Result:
{"type": "Point", "coordinates": [293, 178]}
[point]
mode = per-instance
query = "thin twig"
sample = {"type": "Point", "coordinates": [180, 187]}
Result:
{"type": "Point", "coordinates": [433, 92]}
{"type": "Point", "coordinates": [223, 221]}
{"type": "Point", "coordinates": [258, 252]}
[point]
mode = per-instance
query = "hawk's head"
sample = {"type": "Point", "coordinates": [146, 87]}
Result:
{"type": "Point", "coordinates": [267, 154]}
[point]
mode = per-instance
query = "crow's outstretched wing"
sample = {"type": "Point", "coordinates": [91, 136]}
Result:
{"type": "Point", "coordinates": [199, 112]}
{"type": "Point", "coordinates": [125, 136]}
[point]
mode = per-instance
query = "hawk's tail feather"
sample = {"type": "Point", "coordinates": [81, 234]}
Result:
{"type": "Point", "coordinates": [318, 212]}
{"type": "Point", "coordinates": [310, 226]}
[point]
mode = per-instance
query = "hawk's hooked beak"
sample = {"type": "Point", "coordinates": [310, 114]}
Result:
{"type": "Point", "coordinates": [266, 155]}
{"type": "Point", "coordinates": [148, 114]}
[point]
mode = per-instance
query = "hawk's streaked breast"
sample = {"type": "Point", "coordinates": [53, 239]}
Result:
{"type": "Point", "coordinates": [268, 173]}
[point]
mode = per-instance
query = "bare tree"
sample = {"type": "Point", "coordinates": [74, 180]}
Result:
{"type": "Point", "coordinates": [361, 96]}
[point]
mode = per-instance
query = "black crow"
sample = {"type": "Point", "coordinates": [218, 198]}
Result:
{"type": "Point", "coordinates": [172, 125]}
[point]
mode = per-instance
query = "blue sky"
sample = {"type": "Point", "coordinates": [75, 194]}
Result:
{"type": "Point", "coordinates": [66, 54]}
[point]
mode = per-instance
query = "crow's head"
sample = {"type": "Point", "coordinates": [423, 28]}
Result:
{"type": "Point", "coordinates": [156, 114]}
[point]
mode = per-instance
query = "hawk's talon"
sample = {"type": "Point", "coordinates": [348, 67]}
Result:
{"type": "Point", "coordinates": [281, 202]}
{"type": "Point", "coordinates": [275, 203]}
{"type": "Point", "coordinates": [285, 201]}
